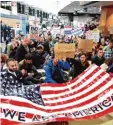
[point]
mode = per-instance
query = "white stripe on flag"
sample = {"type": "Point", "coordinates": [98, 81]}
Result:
{"type": "Point", "coordinates": [32, 111]}
{"type": "Point", "coordinates": [78, 88]}
{"type": "Point", "coordinates": [71, 85]}
{"type": "Point", "coordinates": [82, 100]}
{"type": "Point", "coordinates": [81, 93]}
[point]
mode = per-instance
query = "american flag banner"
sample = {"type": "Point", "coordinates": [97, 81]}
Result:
{"type": "Point", "coordinates": [88, 96]}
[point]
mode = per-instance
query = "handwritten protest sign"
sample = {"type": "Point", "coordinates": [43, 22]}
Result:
{"type": "Point", "coordinates": [85, 45]}
{"type": "Point", "coordinates": [55, 31]}
{"type": "Point", "coordinates": [93, 35]}
{"type": "Point", "coordinates": [64, 50]}
{"type": "Point", "coordinates": [77, 32]}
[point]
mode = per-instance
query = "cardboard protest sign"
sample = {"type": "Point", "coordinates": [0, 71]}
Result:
{"type": "Point", "coordinates": [85, 45]}
{"type": "Point", "coordinates": [64, 50]}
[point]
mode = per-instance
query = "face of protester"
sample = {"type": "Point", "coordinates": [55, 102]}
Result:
{"type": "Point", "coordinates": [82, 58]}
{"type": "Point", "coordinates": [47, 38]}
{"type": "Point", "coordinates": [12, 66]}
{"type": "Point", "coordinates": [102, 35]}
{"type": "Point", "coordinates": [40, 51]}
{"type": "Point", "coordinates": [25, 42]}
{"type": "Point", "coordinates": [28, 61]}
{"type": "Point", "coordinates": [102, 41]}
{"type": "Point", "coordinates": [110, 44]}
{"type": "Point", "coordinates": [29, 41]}
{"type": "Point", "coordinates": [41, 39]}
{"type": "Point", "coordinates": [100, 53]}
{"type": "Point", "coordinates": [55, 62]}
{"type": "Point", "coordinates": [14, 42]}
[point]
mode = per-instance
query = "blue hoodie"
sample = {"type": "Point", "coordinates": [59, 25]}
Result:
{"type": "Point", "coordinates": [50, 68]}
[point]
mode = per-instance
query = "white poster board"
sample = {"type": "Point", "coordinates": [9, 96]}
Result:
{"type": "Point", "coordinates": [77, 32]}
{"type": "Point", "coordinates": [55, 31]}
{"type": "Point", "coordinates": [93, 35]}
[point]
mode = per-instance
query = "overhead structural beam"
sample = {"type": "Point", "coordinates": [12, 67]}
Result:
{"type": "Point", "coordinates": [89, 3]}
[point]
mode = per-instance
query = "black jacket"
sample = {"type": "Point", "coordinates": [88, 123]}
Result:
{"type": "Point", "coordinates": [46, 47]}
{"type": "Point", "coordinates": [12, 54]}
{"type": "Point", "coordinates": [20, 53]}
{"type": "Point", "coordinates": [98, 61]}
{"type": "Point", "coordinates": [29, 68]}
{"type": "Point", "coordinates": [78, 68]}
{"type": "Point", "coordinates": [38, 59]}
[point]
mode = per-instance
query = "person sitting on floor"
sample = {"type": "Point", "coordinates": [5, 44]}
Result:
{"type": "Point", "coordinates": [54, 73]}
{"type": "Point", "coordinates": [28, 70]}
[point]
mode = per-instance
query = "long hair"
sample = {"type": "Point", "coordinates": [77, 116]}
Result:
{"type": "Point", "coordinates": [3, 58]}
{"type": "Point", "coordinates": [85, 63]}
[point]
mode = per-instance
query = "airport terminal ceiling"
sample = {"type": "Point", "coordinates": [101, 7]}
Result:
{"type": "Point", "coordinates": [87, 7]}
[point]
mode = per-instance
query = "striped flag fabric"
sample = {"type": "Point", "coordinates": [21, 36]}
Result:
{"type": "Point", "coordinates": [67, 30]}
{"type": "Point", "coordinates": [88, 96]}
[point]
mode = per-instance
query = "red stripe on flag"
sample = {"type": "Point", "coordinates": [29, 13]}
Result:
{"type": "Point", "coordinates": [17, 103]}
{"type": "Point", "coordinates": [79, 97]}
{"type": "Point", "coordinates": [48, 92]}
{"type": "Point", "coordinates": [68, 104]}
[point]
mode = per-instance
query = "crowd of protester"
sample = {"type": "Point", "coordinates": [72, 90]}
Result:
{"type": "Point", "coordinates": [26, 54]}
{"type": "Point", "coordinates": [37, 52]}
